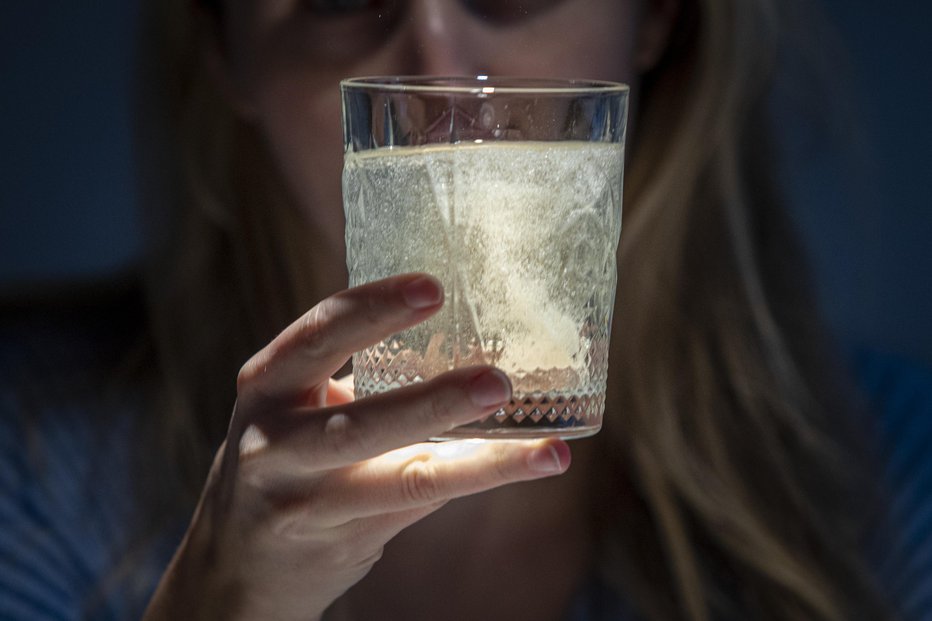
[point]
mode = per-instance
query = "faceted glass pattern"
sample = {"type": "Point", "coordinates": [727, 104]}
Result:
{"type": "Point", "coordinates": [522, 232]}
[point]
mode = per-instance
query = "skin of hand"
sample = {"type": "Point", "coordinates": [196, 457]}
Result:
{"type": "Point", "coordinates": [309, 484]}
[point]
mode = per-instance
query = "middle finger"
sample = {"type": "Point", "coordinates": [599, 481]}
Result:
{"type": "Point", "coordinates": [311, 441]}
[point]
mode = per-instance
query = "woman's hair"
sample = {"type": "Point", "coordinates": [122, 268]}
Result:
{"type": "Point", "coordinates": [728, 490]}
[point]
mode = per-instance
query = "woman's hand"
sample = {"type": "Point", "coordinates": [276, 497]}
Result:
{"type": "Point", "coordinates": [310, 485]}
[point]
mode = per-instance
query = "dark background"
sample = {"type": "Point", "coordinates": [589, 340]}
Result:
{"type": "Point", "coordinates": [861, 199]}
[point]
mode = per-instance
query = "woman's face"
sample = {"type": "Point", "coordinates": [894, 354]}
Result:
{"type": "Point", "coordinates": [283, 59]}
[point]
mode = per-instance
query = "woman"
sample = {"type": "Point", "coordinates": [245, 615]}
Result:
{"type": "Point", "coordinates": [725, 482]}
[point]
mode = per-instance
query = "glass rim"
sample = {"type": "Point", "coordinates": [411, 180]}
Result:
{"type": "Point", "coordinates": [482, 84]}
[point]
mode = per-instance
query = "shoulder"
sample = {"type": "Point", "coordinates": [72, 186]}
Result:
{"type": "Point", "coordinates": [899, 395]}
{"type": "Point", "coordinates": [69, 388]}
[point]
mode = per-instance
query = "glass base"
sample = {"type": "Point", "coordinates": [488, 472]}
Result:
{"type": "Point", "coordinates": [473, 432]}
{"type": "Point", "coordinates": [536, 416]}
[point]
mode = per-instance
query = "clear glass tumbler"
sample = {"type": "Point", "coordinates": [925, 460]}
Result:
{"type": "Point", "coordinates": [509, 191]}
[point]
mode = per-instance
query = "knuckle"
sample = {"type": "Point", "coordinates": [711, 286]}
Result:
{"type": "Point", "coordinates": [246, 376]}
{"type": "Point", "coordinates": [282, 523]}
{"type": "Point", "coordinates": [343, 436]}
{"type": "Point", "coordinates": [436, 407]}
{"type": "Point", "coordinates": [253, 442]}
{"type": "Point", "coordinates": [501, 464]}
{"type": "Point", "coordinates": [253, 477]}
{"type": "Point", "coordinates": [420, 483]}
{"type": "Point", "coordinates": [312, 335]}
{"type": "Point", "coordinates": [373, 306]}
{"type": "Point", "coordinates": [257, 484]}
{"type": "Point", "coordinates": [250, 387]}
{"type": "Point", "coordinates": [291, 516]}
{"type": "Point", "coordinates": [259, 503]}
{"type": "Point", "coordinates": [367, 305]}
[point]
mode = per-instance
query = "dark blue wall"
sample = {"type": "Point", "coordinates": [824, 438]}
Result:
{"type": "Point", "coordinates": [67, 202]}
{"type": "Point", "coordinates": [866, 212]}
{"type": "Point", "coordinates": [66, 176]}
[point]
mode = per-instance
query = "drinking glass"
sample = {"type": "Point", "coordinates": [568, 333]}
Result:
{"type": "Point", "coordinates": [509, 191]}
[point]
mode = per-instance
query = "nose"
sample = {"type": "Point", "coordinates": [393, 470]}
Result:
{"type": "Point", "coordinates": [443, 38]}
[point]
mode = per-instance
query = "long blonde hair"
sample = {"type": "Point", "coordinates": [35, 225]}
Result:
{"type": "Point", "coordinates": [724, 424]}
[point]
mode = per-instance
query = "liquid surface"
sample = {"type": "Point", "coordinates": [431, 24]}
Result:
{"type": "Point", "coordinates": [523, 237]}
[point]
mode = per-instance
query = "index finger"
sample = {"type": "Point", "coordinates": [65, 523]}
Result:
{"type": "Point", "coordinates": [311, 349]}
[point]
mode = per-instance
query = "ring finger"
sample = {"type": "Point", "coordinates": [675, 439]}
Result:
{"type": "Point", "coordinates": [425, 474]}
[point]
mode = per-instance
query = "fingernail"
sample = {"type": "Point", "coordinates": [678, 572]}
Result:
{"type": "Point", "coordinates": [422, 292]}
{"type": "Point", "coordinates": [490, 388]}
{"type": "Point", "coordinates": [546, 459]}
